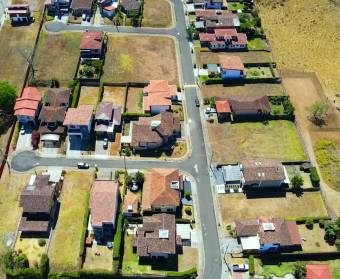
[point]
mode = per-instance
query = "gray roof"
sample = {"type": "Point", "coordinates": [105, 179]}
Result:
{"type": "Point", "coordinates": [218, 175]}
{"type": "Point", "coordinates": [212, 67]}
{"type": "Point", "coordinates": [231, 173]}
{"type": "Point", "coordinates": [187, 186]}
{"type": "Point", "coordinates": [199, 24]}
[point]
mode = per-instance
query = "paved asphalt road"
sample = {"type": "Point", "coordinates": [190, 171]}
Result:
{"type": "Point", "coordinates": [197, 164]}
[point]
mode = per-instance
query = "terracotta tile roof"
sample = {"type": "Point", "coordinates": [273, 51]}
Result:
{"type": "Point", "coordinates": [206, 37]}
{"type": "Point", "coordinates": [81, 4]}
{"type": "Point", "coordinates": [28, 103]}
{"type": "Point", "coordinates": [103, 202]}
{"type": "Point", "coordinates": [210, 13]}
{"type": "Point", "coordinates": [318, 271]}
{"type": "Point", "coordinates": [250, 104]}
{"type": "Point", "coordinates": [262, 170]}
{"type": "Point", "coordinates": [226, 33]}
{"type": "Point", "coordinates": [247, 227]}
{"type": "Point", "coordinates": [104, 111]}
{"type": "Point", "coordinates": [241, 39]}
{"type": "Point", "coordinates": [142, 132]}
{"type": "Point", "coordinates": [158, 235]}
{"type": "Point", "coordinates": [130, 199]}
{"type": "Point", "coordinates": [157, 190]}
{"type": "Point", "coordinates": [222, 105]}
{"type": "Point", "coordinates": [92, 40]}
{"type": "Point", "coordinates": [231, 62]}
{"type": "Point", "coordinates": [220, 23]}
{"type": "Point", "coordinates": [81, 115]}
{"type": "Point", "coordinates": [158, 93]}
{"type": "Point", "coordinates": [57, 96]}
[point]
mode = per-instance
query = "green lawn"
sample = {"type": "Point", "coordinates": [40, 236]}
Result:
{"type": "Point", "coordinates": [258, 72]}
{"type": "Point", "coordinates": [64, 250]}
{"type": "Point", "coordinates": [278, 270]}
{"type": "Point", "coordinates": [235, 6]}
{"type": "Point", "coordinates": [257, 44]}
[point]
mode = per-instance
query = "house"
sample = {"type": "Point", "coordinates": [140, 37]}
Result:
{"type": "Point", "coordinates": [250, 106]}
{"type": "Point", "coordinates": [262, 173]}
{"type": "Point", "coordinates": [157, 237]}
{"type": "Point", "coordinates": [222, 108]}
{"type": "Point", "coordinates": [204, 14]}
{"type": "Point", "coordinates": [19, 13]}
{"type": "Point", "coordinates": [130, 204]}
{"type": "Point", "coordinates": [79, 122]}
{"type": "Point", "coordinates": [213, 4]}
{"type": "Point", "coordinates": [57, 7]}
{"type": "Point", "coordinates": [230, 22]}
{"type": "Point", "coordinates": [27, 107]}
{"type": "Point", "coordinates": [155, 132]}
{"type": "Point", "coordinates": [107, 120]}
{"type": "Point", "coordinates": [267, 234]}
{"type": "Point", "coordinates": [130, 7]}
{"type": "Point", "coordinates": [162, 190]}
{"type": "Point", "coordinates": [81, 7]}
{"type": "Point", "coordinates": [318, 271]}
{"type": "Point", "coordinates": [92, 45]}
{"type": "Point", "coordinates": [158, 96]}
{"type": "Point", "coordinates": [108, 8]}
{"type": "Point", "coordinates": [231, 67]}
{"type": "Point", "coordinates": [38, 201]}
{"type": "Point", "coordinates": [232, 175]}
{"type": "Point", "coordinates": [58, 97]}
{"type": "Point", "coordinates": [224, 39]}
{"type": "Point", "coordinates": [103, 209]}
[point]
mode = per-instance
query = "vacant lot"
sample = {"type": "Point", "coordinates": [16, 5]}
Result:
{"type": "Point", "coordinates": [274, 140]}
{"type": "Point", "coordinates": [157, 13]}
{"type": "Point", "coordinates": [304, 37]}
{"type": "Point", "coordinates": [314, 239]}
{"type": "Point", "coordinates": [237, 206]}
{"type": "Point", "coordinates": [208, 57]}
{"type": "Point", "coordinates": [140, 59]}
{"type": "Point", "coordinates": [88, 96]}
{"type": "Point", "coordinates": [64, 250]}
{"type": "Point", "coordinates": [257, 89]}
{"type": "Point", "coordinates": [57, 56]}
{"type": "Point", "coordinates": [134, 100]}
{"type": "Point", "coordinates": [116, 95]}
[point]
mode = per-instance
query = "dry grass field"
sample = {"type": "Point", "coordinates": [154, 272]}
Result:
{"type": "Point", "coordinates": [57, 56]}
{"type": "Point", "coordinates": [157, 14]}
{"type": "Point", "coordinates": [88, 96]}
{"type": "Point", "coordinates": [304, 36]}
{"type": "Point", "coordinates": [140, 59]}
{"type": "Point", "coordinates": [134, 100]}
{"type": "Point", "coordinates": [116, 95]}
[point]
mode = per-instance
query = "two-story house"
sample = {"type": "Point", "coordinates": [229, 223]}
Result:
{"type": "Point", "coordinates": [19, 13]}
{"type": "Point", "coordinates": [103, 209]}
{"type": "Point", "coordinates": [223, 39]}
{"type": "Point", "coordinates": [27, 107]}
{"type": "Point", "coordinates": [92, 45]}
{"type": "Point", "coordinates": [231, 67]}
{"type": "Point", "coordinates": [57, 7]}
{"type": "Point", "coordinates": [130, 7]}
{"type": "Point", "coordinates": [214, 4]}
{"type": "Point", "coordinates": [81, 7]}
{"type": "Point", "coordinates": [162, 190]}
{"type": "Point", "coordinates": [107, 120]}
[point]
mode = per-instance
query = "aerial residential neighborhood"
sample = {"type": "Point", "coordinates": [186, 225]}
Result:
{"type": "Point", "coordinates": [170, 139]}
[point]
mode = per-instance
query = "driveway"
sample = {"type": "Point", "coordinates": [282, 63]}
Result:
{"type": "Point", "coordinates": [24, 141]}
{"type": "Point", "coordinates": [99, 149]}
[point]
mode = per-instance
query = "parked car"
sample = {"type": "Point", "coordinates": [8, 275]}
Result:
{"type": "Point", "coordinates": [83, 165]}
{"type": "Point", "coordinates": [105, 143]}
{"type": "Point", "coordinates": [240, 267]}
{"type": "Point", "coordinates": [22, 130]}
{"type": "Point", "coordinates": [197, 102]}
{"type": "Point", "coordinates": [83, 17]}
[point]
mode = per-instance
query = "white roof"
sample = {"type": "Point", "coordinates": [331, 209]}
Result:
{"type": "Point", "coordinates": [163, 233]}
{"type": "Point", "coordinates": [183, 230]}
{"type": "Point", "coordinates": [55, 174]}
{"type": "Point", "coordinates": [250, 242]}
{"type": "Point", "coordinates": [51, 137]}
{"type": "Point", "coordinates": [220, 188]}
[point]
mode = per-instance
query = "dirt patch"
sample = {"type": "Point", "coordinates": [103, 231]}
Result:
{"type": "Point", "coordinates": [113, 94]}
{"type": "Point", "coordinates": [237, 206]}
{"type": "Point", "coordinates": [140, 59]}
{"type": "Point", "coordinates": [258, 90]}
{"type": "Point", "coordinates": [188, 260]}
{"type": "Point", "coordinates": [157, 14]}
{"type": "Point", "coordinates": [115, 146]}
{"type": "Point", "coordinates": [88, 96]}
{"type": "Point", "coordinates": [134, 100]}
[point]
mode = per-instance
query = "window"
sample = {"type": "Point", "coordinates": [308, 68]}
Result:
{"type": "Point", "coordinates": [169, 210]}
{"type": "Point", "coordinates": [157, 209]}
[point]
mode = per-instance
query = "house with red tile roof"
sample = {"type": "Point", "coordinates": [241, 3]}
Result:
{"type": "Point", "coordinates": [130, 204]}
{"type": "Point", "coordinates": [223, 39]}
{"type": "Point", "coordinates": [222, 108]}
{"type": "Point", "coordinates": [162, 190]}
{"type": "Point", "coordinates": [92, 45]}
{"type": "Point", "coordinates": [79, 122]}
{"type": "Point", "coordinates": [318, 271]}
{"type": "Point", "coordinates": [103, 209]}
{"type": "Point", "coordinates": [268, 234]}
{"type": "Point", "coordinates": [249, 106]}
{"type": "Point", "coordinates": [231, 67]}
{"type": "Point", "coordinates": [158, 96]}
{"type": "Point", "coordinates": [27, 107]}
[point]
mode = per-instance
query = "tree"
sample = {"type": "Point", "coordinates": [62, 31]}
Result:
{"type": "Point", "coordinates": [318, 112]}
{"type": "Point", "coordinates": [332, 231]}
{"type": "Point", "coordinates": [8, 93]}
{"type": "Point", "coordinates": [297, 182]}
{"type": "Point", "coordinates": [309, 223]}
{"type": "Point", "coordinates": [128, 180]}
{"type": "Point", "coordinates": [139, 177]}
{"type": "Point", "coordinates": [299, 270]}
{"type": "Point", "coordinates": [191, 31]}
{"type": "Point", "coordinates": [212, 102]}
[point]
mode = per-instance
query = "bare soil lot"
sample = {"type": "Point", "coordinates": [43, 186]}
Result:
{"type": "Point", "coordinates": [259, 90]}
{"type": "Point", "coordinates": [157, 14]}
{"type": "Point", "coordinates": [57, 56]}
{"type": "Point", "coordinates": [140, 58]}
{"type": "Point", "coordinates": [276, 140]}
{"type": "Point", "coordinates": [116, 95]}
{"type": "Point", "coordinates": [209, 57]}
{"type": "Point", "coordinates": [134, 100]}
{"type": "Point", "coordinates": [88, 96]}
{"type": "Point", "coordinates": [237, 206]}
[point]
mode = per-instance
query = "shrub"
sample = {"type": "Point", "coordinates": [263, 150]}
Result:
{"type": "Point", "coordinates": [309, 223]}
{"type": "Point", "coordinates": [84, 229]}
{"type": "Point", "coordinates": [8, 94]}
{"type": "Point", "coordinates": [251, 265]}
{"type": "Point", "coordinates": [314, 177]}
{"type": "Point", "coordinates": [42, 242]}
{"type": "Point", "coordinates": [187, 195]}
{"type": "Point", "coordinates": [332, 231]}
{"type": "Point", "coordinates": [188, 210]}
{"type": "Point", "coordinates": [299, 270]}
{"type": "Point", "coordinates": [322, 223]}
{"type": "Point", "coordinates": [192, 272]}
{"type": "Point", "coordinates": [117, 243]}
{"type": "Point", "coordinates": [288, 107]}
{"type": "Point", "coordinates": [75, 95]}
{"type": "Point", "coordinates": [44, 265]}
{"type": "Point", "coordinates": [337, 244]}
{"type": "Point", "coordinates": [297, 182]}
{"type": "Point", "coordinates": [139, 177]}
{"type": "Point", "coordinates": [206, 100]}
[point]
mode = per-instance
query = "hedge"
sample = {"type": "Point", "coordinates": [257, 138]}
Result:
{"type": "Point", "coordinates": [117, 243]}
{"type": "Point", "coordinates": [82, 248]}
{"type": "Point", "coordinates": [314, 177]}
{"type": "Point", "coordinates": [25, 273]}
{"type": "Point", "coordinates": [98, 274]}
{"type": "Point", "coordinates": [192, 271]}
{"type": "Point", "coordinates": [251, 265]}
{"type": "Point", "coordinates": [64, 275]}
{"type": "Point", "coordinates": [75, 95]}
{"type": "Point", "coordinates": [302, 220]}
{"type": "Point", "coordinates": [135, 114]}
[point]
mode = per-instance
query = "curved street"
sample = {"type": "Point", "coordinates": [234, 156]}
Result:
{"type": "Point", "coordinates": [196, 164]}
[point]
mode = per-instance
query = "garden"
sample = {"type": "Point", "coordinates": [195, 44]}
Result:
{"type": "Point", "coordinates": [90, 69]}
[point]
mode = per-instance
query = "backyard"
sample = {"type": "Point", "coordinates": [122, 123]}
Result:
{"type": "Point", "coordinates": [126, 64]}
{"type": "Point", "coordinates": [89, 96]}
{"type": "Point", "coordinates": [135, 100]}
{"type": "Point", "coordinates": [237, 206]}
{"type": "Point", "coordinates": [276, 139]}
{"type": "Point", "coordinates": [57, 56]}
{"type": "Point", "coordinates": [98, 257]}
{"type": "Point", "coordinates": [113, 94]}
{"type": "Point", "coordinates": [314, 239]}
{"type": "Point", "coordinates": [64, 249]}
{"type": "Point", "coordinates": [31, 248]}
{"type": "Point", "coordinates": [157, 14]}
{"type": "Point", "coordinates": [258, 72]}
{"type": "Point", "coordinates": [257, 44]}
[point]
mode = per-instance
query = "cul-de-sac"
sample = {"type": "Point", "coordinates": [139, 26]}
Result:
{"type": "Point", "coordinates": [170, 139]}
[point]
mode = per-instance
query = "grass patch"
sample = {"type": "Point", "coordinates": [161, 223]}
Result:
{"type": "Point", "coordinates": [273, 140]}
{"type": "Point", "coordinates": [64, 250]}
{"type": "Point", "coordinates": [257, 44]}
{"type": "Point", "coordinates": [328, 157]}
{"type": "Point", "coordinates": [278, 270]}
{"type": "Point", "coordinates": [258, 72]}
{"type": "Point", "coordinates": [235, 6]}
{"type": "Point", "coordinates": [89, 96]}
{"type": "Point", "coordinates": [157, 14]}
{"type": "Point", "coordinates": [30, 247]}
